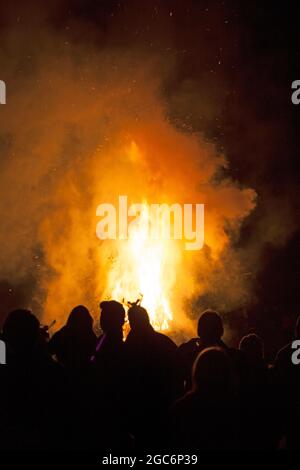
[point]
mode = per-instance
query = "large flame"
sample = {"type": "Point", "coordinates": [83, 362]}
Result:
{"type": "Point", "coordinates": [142, 269]}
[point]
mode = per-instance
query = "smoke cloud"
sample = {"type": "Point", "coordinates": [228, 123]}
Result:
{"type": "Point", "coordinates": [88, 119]}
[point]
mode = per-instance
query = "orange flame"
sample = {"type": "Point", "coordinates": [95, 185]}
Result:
{"type": "Point", "coordinates": [143, 269]}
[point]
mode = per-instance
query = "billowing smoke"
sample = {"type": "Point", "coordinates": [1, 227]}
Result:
{"type": "Point", "coordinates": [75, 110]}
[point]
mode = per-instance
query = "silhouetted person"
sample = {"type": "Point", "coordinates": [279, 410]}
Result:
{"type": "Point", "coordinates": [21, 334]}
{"type": "Point", "coordinates": [151, 387]}
{"type": "Point", "coordinates": [253, 348]}
{"type": "Point", "coordinates": [107, 363]}
{"type": "Point", "coordinates": [108, 358]}
{"type": "Point", "coordinates": [260, 421]}
{"type": "Point", "coordinates": [110, 344]}
{"type": "Point", "coordinates": [207, 417]}
{"type": "Point", "coordinates": [210, 332]}
{"type": "Point", "coordinates": [32, 388]}
{"type": "Point", "coordinates": [287, 378]}
{"type": "Point", "coordinates": [74, 344]}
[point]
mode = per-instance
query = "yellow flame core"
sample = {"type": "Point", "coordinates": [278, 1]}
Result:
{"type": "Point", "coordinates": [142, 269]}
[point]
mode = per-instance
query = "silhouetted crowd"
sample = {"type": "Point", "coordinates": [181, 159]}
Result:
{"type": "Point", "coordinates": [143, 393]}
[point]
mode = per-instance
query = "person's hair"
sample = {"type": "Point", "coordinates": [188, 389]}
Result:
{"type": "Point", "coordinates": [252, 346]}
{"type": "Point", "coordinates": [21, 330]}
{"type": "Point", "coordinates": [112, 316]}
{"type": "Point", "coordinates": [80, 320]}
{"type": "Point", "coordinates": [138, 318]}
{"type": "Point", "coordinates": [213, 373]}
{"type": "Point", "coordinates": [210, 327]}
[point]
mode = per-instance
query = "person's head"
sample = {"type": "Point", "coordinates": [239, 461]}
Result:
{"type": "Point", "coordinates": [138, 319]}
{"type": "Point", "coordinates": [112, 316]}
{"type": "Point", "coordinates": [210, 327]}
{"type": "Point", "coordinates": [253, 347]}
{"type": "Point", "coordinates": [21, 331]}
{"type": "Point", "coordinates": [297, 328]}
{"type": "Point", "coordinates": [80, 320]}
{"type": "Point", "coordinates": [213, 373]}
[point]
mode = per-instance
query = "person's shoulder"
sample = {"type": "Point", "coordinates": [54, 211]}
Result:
{"type": "Point", "coordinates": [57, 337]}
{"type": "Point", "coordinates": [166, 340]}
{"type": "Point", "coordinates": [283, 351]}
{"type": "Point", "coordinates": [190, 343]}
{"type": "Point", "coordinates": [60, 332]}
{"type": "Point", "coordinates": [189, 346]}
{"type": "Point", "coordinates": [283, 354]}
{"type": "Point", "coordinates": [235, 353]}
{"type": "Point", "coordinates": [183, 403]}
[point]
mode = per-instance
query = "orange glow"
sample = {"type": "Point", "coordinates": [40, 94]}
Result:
{"type": "Point", "coordinates": [129, 147]}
